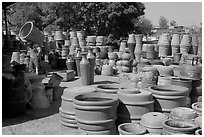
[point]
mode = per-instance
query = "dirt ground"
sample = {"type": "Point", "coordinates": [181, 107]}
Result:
{"type": "Point", "coordinates": [46, 121]}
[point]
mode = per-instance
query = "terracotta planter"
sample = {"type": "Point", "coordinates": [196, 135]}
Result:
{"type": "Point", "coordinates": [126, 56]}
{"type": "Point", "coordinates": [153, 121]}
{"type": "Point", "coordinates": [171, 127]}
{"type": "Point", "coordinates": [91, 58]}
{"type": "Point", "coordinates": [148, 75]}
{"type": "Point", "coordinates": [133, 104]}
{"type": "Point", "coordinates": [131, 129]}
{"type": "Point", "coordinates": [107, 70]}
{"type": "Point", "coordinates": [84, 69]}
{"type": "Point", "coordinates": [168, 97]}
{"type": "Point", "coordinates": [95, 111]}
{"type": "Point", "coordinates": [162, 80]}
{"type": "Point", "coordinates": [197, 107]}
{"type": "Point", "coordinates": [73, 34]}
{"type": "Point", "coordinates": [183, 113]}
{"type": "Point", "coordinates": [184, 82]}
{"type": "Point", "coordinates": [123, 45]}
{"type": "Point", "coordinates": [164, 70]}
{"type": "Point", "coordinates": [177, 57]}
{"type": "Point", "coordinates": [125, 69]}
{"type": "Point", "coordinates": [175, 39]}
{"type": "Point", "coordinates": [193, 72]}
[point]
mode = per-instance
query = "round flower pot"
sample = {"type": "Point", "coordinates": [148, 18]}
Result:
{"type": "Point", "coordinates": [125, 69]}
{"type": "Point", "coordinates": [133, 104]}
{"type": "Point", "coordinates": [164, 80]}
{"type": "Point", "coordinates": [126, 63]}
{"type": "Point", "coordinates": [126, 56]}
{"type": "Point", "coordinates": [165, 70]}
{"type": "Point", "coordinates": [171, 127]}
{"type": "Point", "coordinates": [131, 129]}
{"type": "Point", "coordinates": [153, 121]}
{"type": "Point", "coordinates": [183, 113]}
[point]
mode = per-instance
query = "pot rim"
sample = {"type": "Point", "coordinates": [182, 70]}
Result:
{"type": "Point", "coordinates": [142, 130]}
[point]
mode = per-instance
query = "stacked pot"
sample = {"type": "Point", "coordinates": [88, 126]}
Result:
{"type": "Point", "coordinates": [91, 40]}
{"type": "Point", "coordinates": [65, 49]}
{"type": "Point", "coordinates": [100, 41]}
{"type": "Point", "coordinates": [126, 61]}
{"type": "Point", "coordinates": [96, 113]}
{"type": "Point", "coordinates": [74, 42]}
{"type": "Point", "coordinates": [66, 111]}
{"type": "Point", "coordinates": [149, 51]}
{"type": "Point", "coordinates": [164, 45]}
{"type": "Point", "coordinates": [185, 44]}
{"type": "Point", "coordinates": [81, 38]}
{"type": "Point", "coordinates": [168, 97]}
{"type": "Point", "coordinates": [133, 103]}
{"type": "Point", "coordinates": [175, 44]}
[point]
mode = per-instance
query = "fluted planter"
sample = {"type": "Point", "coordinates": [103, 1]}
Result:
{"type": "Point", "coordinates": [171, 127]}
{"type": "Point", "coordinates": [168, 97]}
{"type": "Point", "coordinates": [153, 121]}
{"type": "Point", "coordinates": [133, 104]}
{"type": "Point", "coordinates": [95, 111]}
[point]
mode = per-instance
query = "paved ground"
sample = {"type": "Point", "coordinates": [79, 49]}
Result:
{"type": "Point", "coordinates": [46, 121]}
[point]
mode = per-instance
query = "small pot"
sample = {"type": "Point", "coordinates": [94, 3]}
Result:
{"type": "Point", "coordinates": [198, 121]}
{"type": "Point", "coordinates": [197, 107]}
{"type": "Point", "coordinates": [131, 129]}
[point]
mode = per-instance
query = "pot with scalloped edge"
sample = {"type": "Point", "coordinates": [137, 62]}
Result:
{"type": "Point", "coordinates": [153, 121]}
{"type": "Point", "coordinates": [131, 129]}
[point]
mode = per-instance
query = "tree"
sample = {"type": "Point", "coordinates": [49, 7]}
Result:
{"type": "Point", "coordinates": [172, 23]}
{"type": "Point", "coordinates": [143, 26]}
{"type": "Point", "coordinates": [96, 18]}
{"type": "Point", "coordinates": [163, 23]}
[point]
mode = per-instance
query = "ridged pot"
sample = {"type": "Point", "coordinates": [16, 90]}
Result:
{"type": "Point", "coordinates": [171, 127]}
{"type": "Point", "coordinates": [183, 113]}
{"type": "Point", "coordinates": [133, 103]}
{"type": "Point", "coordinates": [168, 97]}
{"type": "Point", "coordinates": [197, 107]}
{"type": "Point", "coordinates": [131, 129]}
{"type": "Point", "coordinates": [184, 82]}
{"type": "Point", "coordinates": [153, 121]}
{"type": "Point", "coordinates": [96, 111]}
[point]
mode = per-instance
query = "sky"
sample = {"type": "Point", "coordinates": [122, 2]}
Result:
{"type": "Point", "coordinates": [184, 13]}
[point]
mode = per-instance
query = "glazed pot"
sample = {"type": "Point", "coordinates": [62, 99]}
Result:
{"type": "Point", "coordinates": [183, 113]}
{"type": "Point", "coordinates": [153, 121]}
{"type": "Point", "coordinates": [131, 129]}
{"type": "Point", "coordinates": [197, 107]}
{"type": "Point", "coordinates": [171, 127]}
{"type": "Point", "coordinates": [133, 104]}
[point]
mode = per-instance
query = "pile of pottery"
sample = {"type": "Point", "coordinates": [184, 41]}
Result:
{"type": "Point", "coordinates": [126, 61]}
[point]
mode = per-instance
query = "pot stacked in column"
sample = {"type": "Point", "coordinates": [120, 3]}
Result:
{"type": "Point", "coordinates": [96, 113]}
{"type": "Point", "coordinates": [164, 45]}
{"type": "Point", "coordinates": [66, 111]}
{"type": "Point", "coordinates": [74, 42]}
{"type": "Point", "coordinates": [138, 47]}
{"type": "Point", "coordinates": [65, 49]}
{"type": "Point", "coordinates": [133, 103]}
{"type": "Point", "coordinates": [126, 61]}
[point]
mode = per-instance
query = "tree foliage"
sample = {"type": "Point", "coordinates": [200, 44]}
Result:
{"type": "Point", "coordinates": [143, 25]}
{"type": "Point", "coordinates": [97, 18]}
{"type": "Point", "coordinates": [163, 23]}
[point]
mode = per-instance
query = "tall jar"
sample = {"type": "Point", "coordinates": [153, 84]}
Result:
{"type": "Point", "coordinates": [85, 69]}
{"type": "Point", "coordinates": [78, 58]}
{"type": "Point", "coordinates": [91, 58]}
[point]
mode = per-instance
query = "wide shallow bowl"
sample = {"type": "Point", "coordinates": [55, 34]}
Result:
{"type": "Point", "coordinates": [183, 113]}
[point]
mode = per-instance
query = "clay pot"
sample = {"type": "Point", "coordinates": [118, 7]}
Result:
{"type": "Point", "coordinates": [107, 70]}
{"type": "Point", "coordinates": [112, 131]}
{"type": "Point", "coordinates": [168, 97]}
{"type": "Point", "coordinates": [198, 132]}
{"type": "Point", "coordinates": [84, 69]}
{"type": "Point", "coordinates": [126, 63]}
{"type": "Point", "coordinates": [125, 69]}
{"type": "Point", "coordinates": [95, 111]}
{"type": "Point", "coordinates": [138, 48]}
{"type": "Point", "coordinates": [91, 40]}
{"type": "Point", "coordinates": [183, 113]}
{"type": "Point", "coordinates": [171, 127]}
{"type": "Point", "coordinates": [100, 41]}
{"type": "Point", "coordinates": [91, 58]}
{"type": "Point", "coordinates": [197, 107]}
{"type": "Point", "coordinates": [112, 63]}
{"type": "Point", "coordinates": [112, 55]}
{"type": "Point", "coordinates": [153, 121]}
{"type": "Point", "coordinates": [109, 88]}
{"type": "Point", "coordinates": [164, 70]}
{"type": "Point", "coordinates": [148, 75]}
{"type": "Point", "coordinates": [185, 82]}
{"type": "Point", "coordinates": [72, 34]}
{"type": "Point", "coordinates": [131, 129]}
{"type": "Point", "coordinates": [126, 56]}
{"type": "Point", "coordinates": [177, 57]}
{"type": "Point", "coordinates": [123, 45]}
{"type": "Point", "coordinates": [119, 63]}
{"type": "Point", "coordinates": [175, 39]}
{"type": "Point", "coordinates": [133, 104]}
{"type": "Point", "coordinates": [164, 80]}
{"type": "Point", "coordinates": [98, 70]}
{"type": "Point", "coordinates": [198, 121]}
